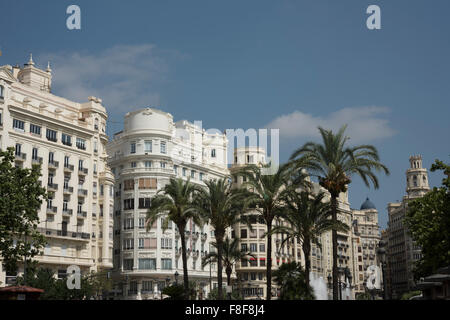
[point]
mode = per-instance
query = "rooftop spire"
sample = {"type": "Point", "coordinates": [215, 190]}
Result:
{"type": "Point", "coordinates": [31, 62]}
{"type": "Point", "coordinates": [48, 67]}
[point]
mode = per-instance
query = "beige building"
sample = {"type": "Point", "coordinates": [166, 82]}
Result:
{"type": "Point", "coordinates": [68, 139]}
{"type": "Point", "coordinates": [402, 252]}
{"type": "Point", "coordinates": [367, 234]}
{"type": "Point", "coordinates": [151, 150]}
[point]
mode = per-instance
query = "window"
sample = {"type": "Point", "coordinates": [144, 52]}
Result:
{"type": "Point", "coordinates": [1, 92]}
{"type": "Point", "coordinates": [148, 164]}
{"type": "Point", "coordinates": [201, 176]}
{"type": "Point", "coordinates": [243, 263]}
{"type": "Point", "coordinates": [147, 286]}
{"type": "Point", "coordinates": [66, 161]}
{"type": "Point", "coordinates": [213, 153]}
{"type": "Point", "coordinates": [243, 247]}
{"type": "Point", "coordinates": [18, 124]}
{"type": "Point", "coordinates": [80, 164]}
{"type": "Point", "coordinates": [147, 183]}
{"type": "Point", "coordinates": [128, 244]}
{"type": "Point", "coordinates": [166, 243]}
{"type": "Point", "coordinates": [253, 247]}
{"type": "Point", "coordinates": [147, 264]}
{"type": "Point", "coordinates": [34, 154]}
{"type": "Point", "coordinates": [262, 247]}
{"type": "Point", "coordinates": [148, 146]}
{"type": "Point", "coordinates": [81, 144]}
{"type": "Point", "coordinates": [166, 264]}
{"type": "Point", "coordinates": [127, 264]}
{"type": "Point", "coordinates": [128, 204]}
{"type": "Point", "coordinates": [184, 172]}
{"type": "Point", "coordinates": [144, 203]}
{"type": "Point", "coordinates": [51, 135]}
{"type": "Point", "coordinates": [18, 149]}
{"type": "Point", "coordinates": [163, 147]}
{"type": "Point", "coordinates": [66, 139]}
{"type": "Point", "coordinates": [133, 147]}
{"type": "Point", "coordinates": [252, 275]}
{"type": "Point", "coordinates": [175, 169]}
{"type": "Point", "coordinates": [35, 129]}
{"type": "Point", "coordinates": [243, 233]}
{"type": "Point", "coordinates": [192, 174]}
{"type": "Point", "coordinates": [262, 263]}
{"type": "Point", "coordinates": [141, 223]}
{"type": "Point", "coordinates": [133, 164]}
{"type": "Point", "coordinates": [51, 157]}
{"type": "Point", "coordinates": [128, 224]}
{"type": "Point", "coordinates": [128, 185]}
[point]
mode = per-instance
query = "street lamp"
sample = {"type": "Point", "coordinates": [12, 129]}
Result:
{"type": "Point", "coordinates": [330, 283]}
{"type": "Point", "coordinates": [176, 277]}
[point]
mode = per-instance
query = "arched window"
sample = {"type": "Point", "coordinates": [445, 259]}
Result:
{"type": "Point", "coordinates": [415, 181]}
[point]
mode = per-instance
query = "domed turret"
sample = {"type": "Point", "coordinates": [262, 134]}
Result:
{"type": "Point", "coordinates": [367, 205]}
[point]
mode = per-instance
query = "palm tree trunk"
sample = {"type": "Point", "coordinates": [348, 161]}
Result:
{"type": "Point", "coordinates": [219, 240]}
{"type": "Point", "coordinates": [184, 258]}
{"type": "Point", "coordinates": [228, 270]}
{"type": "Point", "coordinates": [334, 242]}
{"type": "Point", "coordinates": [306, 251]}
{"type": "Point", "coordinates": [269, 261]}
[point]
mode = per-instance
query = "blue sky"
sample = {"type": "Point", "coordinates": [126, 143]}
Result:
{"type": "Point", "coordinates": [255, 64]}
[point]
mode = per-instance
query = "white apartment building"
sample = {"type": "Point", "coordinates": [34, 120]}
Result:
{"type": "Point", "coordinates": [150, 150]}
{"type": "Point", "coordinates": [68, 139]}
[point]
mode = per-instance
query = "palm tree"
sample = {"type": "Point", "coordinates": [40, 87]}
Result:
{"type": "Point", "coordinates": [307, 217]}
{"type": "Point", "coordinates": [230, 255]}
{"type": "Point", "coordinates": [334, 163]}
{"type": "Point", "coordinates": [175, 204]}
{"type": "Point", "coordinates": [292, 280]}
{"type": "Point", "coordinates": [265, 197]}
{"type": "Point", "coordinates": [219, 205]}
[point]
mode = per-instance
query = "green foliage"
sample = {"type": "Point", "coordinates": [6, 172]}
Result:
{"type": "Point", "coordinates": [92, 285]}
{"type": "Point", "coordinates": [409, 295]}
{"type": "Point", "coordinates": [231, 253]}
{"type": "Point", "coordinates": [333, 162]}
{"type": "Point", "coordinates": [292, 280]}
{"type": "Point", "coordinates": [175, 202]}
{"type": "Point", "coordinates": [308, 216]}
{"type": "Point", "coordinates": [175, 292]}
{"type": "Point", "coordinates": [364, 296]}
{"type": "Point", "coordinates": [21, 196]}
{"type": "Point", "coordinates": [220, 206]}
{"type": "Point", "coordinates": [214, 295]}
{"type": "Point", "coordinates": [428, 221]}
{"type": "Point", "coordinates": [265, 196]}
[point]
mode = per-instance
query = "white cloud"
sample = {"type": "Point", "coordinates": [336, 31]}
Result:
{"type": "Point", "coordinates": [125, 77]}
{"type": "Point", "coordinates": [364, 124]}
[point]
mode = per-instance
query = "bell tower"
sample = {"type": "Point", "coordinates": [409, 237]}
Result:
{"type": "Point", "coordinates": [416, 178]}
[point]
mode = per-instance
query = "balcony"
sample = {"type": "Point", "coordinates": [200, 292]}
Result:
{"type": "Point", "coordinates": [82, 171]}
{"type": "Point", "coordinates": [37, 160]}
{"type": "Point", "coordinates": [52, 210]}
{"type": "Point", "coordinates": [67, 212]}
{"type": "Point", "coordinates": [52, 186]}
{"type": "Point", "coordinates": [68, 168]}
{"type": "Point", "coordinates": [64, 233]}
{"type": "Point", "coordinates": [195, 235]}
{"type": "Point", "coordinates": [195, 254]}
{"type": "Point", "coordinates": [68, 190]}
{"type": "Point", "coordinates": [53, 164]}
{"type": "Point", "coordinates": [203, 237]}
{"type": "Point", "coordinates": [21, 156]}
{"type": "Point", "coordinates": [82, 192]}
{"type": "Point", "coordinates": [81, 214]}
